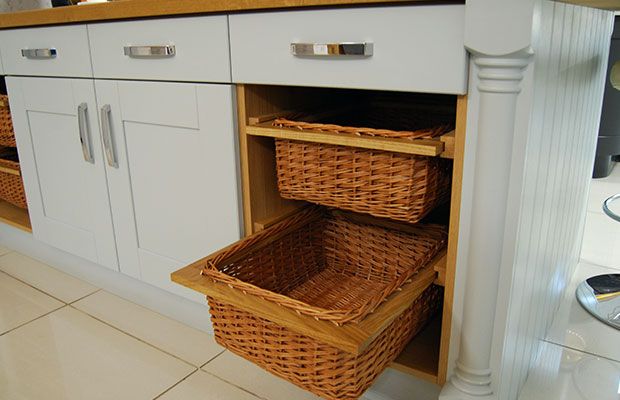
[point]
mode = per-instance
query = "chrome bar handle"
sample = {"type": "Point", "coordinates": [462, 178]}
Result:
{"type": "Point", "coordinates": [106, 133]}
{"type": "Point", "coordinates": [39, 54]}
{"type": "Point", "coordinates": [84, 130]}
{"type": "Point", "coordinates": [364, 49]}
{"type": "Point", "coordinates": [162, 51]}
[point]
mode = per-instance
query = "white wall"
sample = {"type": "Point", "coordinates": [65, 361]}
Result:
{"type": "Point", "coordinates": [20, 5]}
{"type": "Point", "coordinates": [555, 136]}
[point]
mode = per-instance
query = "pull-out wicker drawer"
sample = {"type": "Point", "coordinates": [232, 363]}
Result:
{"type": "Point", "coordinates": [408, 48]}
{"type": "Point", "coordinates": [48, 51]}
{"type": "Point", "coordinates": [377, 153]}
{"type": "Point", "coordinates": [321, 293]}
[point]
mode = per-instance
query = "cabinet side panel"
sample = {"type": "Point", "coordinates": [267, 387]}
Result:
{"type": "Point", "coordinates": [556, 130]}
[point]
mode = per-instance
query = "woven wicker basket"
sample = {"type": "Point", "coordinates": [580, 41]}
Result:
{"type": "Point", "coordinates": [7, 137]}
{"type": "Point", "coordinates": [11, 185]}
{"type": "Point", "coordinates": [328, 266]}
{"type": "Point", "coordinates": [320, 368]}
{"type": "Point", "coordinates": [384, 184]}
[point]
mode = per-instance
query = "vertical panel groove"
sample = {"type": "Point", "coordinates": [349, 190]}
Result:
{"type": "Point", "coordinates": [571, 47]}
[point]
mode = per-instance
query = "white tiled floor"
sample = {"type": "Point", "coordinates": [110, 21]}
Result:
{"type": "Point", "coordinates": [62, 338]}
{"type": "Point", "coordinates": [580, 358]}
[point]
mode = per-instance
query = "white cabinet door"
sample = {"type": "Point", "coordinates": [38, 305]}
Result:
{"type": "Point", "coordinates": [173, 188]}
{"type": "Point", "coordinates": [55, 124]}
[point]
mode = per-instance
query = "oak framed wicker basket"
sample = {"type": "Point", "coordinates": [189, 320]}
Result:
{"type": "Point", "coordinates": [381, 183]}
{"type": "Point", "coordinates": [7, 136]}
{"type": "Point", "coordinates": [324, 299]}
{"type": "Point", "coordinates": [11, 184]}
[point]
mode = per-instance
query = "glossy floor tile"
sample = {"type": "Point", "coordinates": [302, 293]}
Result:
{"type": "Point", "coordinates": [566, 374]}
{"type": "Point", "coordinates": [575, 328]}
{"type": "Point", "coordinates": [4, 250]}
{"type": "Point", "coordinates": [248, 376]}
{"type": "Point", "coordinates": [191, 345]}
{"type": "Point", "coordinates": [396, 385]}
{"type": "Point", "coordinates": [45, 278]}
{"type": "Point", "coordinates": [20, 303]}
{"type": "Point", "coordinates": [70, 355]}
{"type": "Point", "coordinates": [201, 385]}
{"type": "Point", "coordinates": [601, 240]}
{"type": "Point", "coordinates": [602, 188]}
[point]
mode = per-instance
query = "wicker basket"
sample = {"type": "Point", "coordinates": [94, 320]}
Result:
{"type": "Point", "coordinates": [11, 185]}
{"type": "Point", "coordinates": [328, 266]}
{"type": "Point", "coordinates": [319, 368]}
{"type": "Point", "coordinates": [384, 184]}
{"type": "Point", "coordinates": [7, 137]}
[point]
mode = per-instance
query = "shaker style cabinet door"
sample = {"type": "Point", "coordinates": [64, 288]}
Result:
{"type": "Point", "coordinates": [172, 175]}
{"type": "Point", "coordinates": [59, 145]}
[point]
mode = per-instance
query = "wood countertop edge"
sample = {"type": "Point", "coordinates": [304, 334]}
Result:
{"type": "Point", "coordinates": [132, 9]}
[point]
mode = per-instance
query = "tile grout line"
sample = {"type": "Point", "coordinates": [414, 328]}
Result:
{"type": "Point", "coordinates": [176, 384]}
{"type": "Point", "coordinates": [32, 320]}
{"type": "Point", "coordinates": [83, 297]}
{"type": "Point", "coordinates": [213, 358]}
{"type": "Point", "coordinates": [133, 336]}
{"type": "Point", "coordinates": [582, 351]}
{"type": "Point", "coordinates": [41, 290]}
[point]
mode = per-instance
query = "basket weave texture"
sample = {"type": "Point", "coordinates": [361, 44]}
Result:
{"type": "Point", "coordinates": [326, 265]}
{"type": "Point", "coordinates": [384, 184]}
{"type": "Point", "coordinates": [7, 137]}
{"type": "Point", "coordinates": [320, 368]}
{"type": "Point", "coordinates": [11, 185]}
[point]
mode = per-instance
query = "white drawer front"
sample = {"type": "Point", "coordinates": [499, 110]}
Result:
{"type": "Point", "coordinates": [200, 46]}
{"type": "Point", "coordinates": [415, 48]}
{"type": "Point", "coordinates": [50, 51]}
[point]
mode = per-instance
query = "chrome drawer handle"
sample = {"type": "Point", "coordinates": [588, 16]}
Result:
{"type": "Point", "coordinates": [39, 54]}
{"type": "Point", "coordinates": [85, 133]}
{"type": "Point", "coordinates": [106, 133]}
{"type": "Point", "coordinates": [364, 49]}
{"type": "Point", "coordinates": [167, 50]}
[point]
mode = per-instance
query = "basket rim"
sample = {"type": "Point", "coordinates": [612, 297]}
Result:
{"type": "Point", "coordinates": [263, 238]}
{"type": "Point", "coordinates": [428, 133]}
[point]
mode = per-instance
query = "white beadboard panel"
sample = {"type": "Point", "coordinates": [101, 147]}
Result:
{"type": "Point", "coordinates": [555, 136]}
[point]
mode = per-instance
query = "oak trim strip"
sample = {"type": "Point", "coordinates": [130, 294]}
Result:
{"type": "Point", "coordinates": [423, 147]}
{"type": "Point", "coordinates": [352, 338]}
{"type": "Point", "coordinates": [129, 9]}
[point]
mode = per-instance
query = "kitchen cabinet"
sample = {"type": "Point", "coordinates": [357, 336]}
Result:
{"type": "Point", "coordinates": [141, 176]}
{"type": "Point", "coordinates": [525, 102]}
{"type": "Point", "coordinates": [171, 170]}
{"type": "Point", "coordinates": [60, 150]}
{"type": "Point", "coordinates": [142, 170]}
